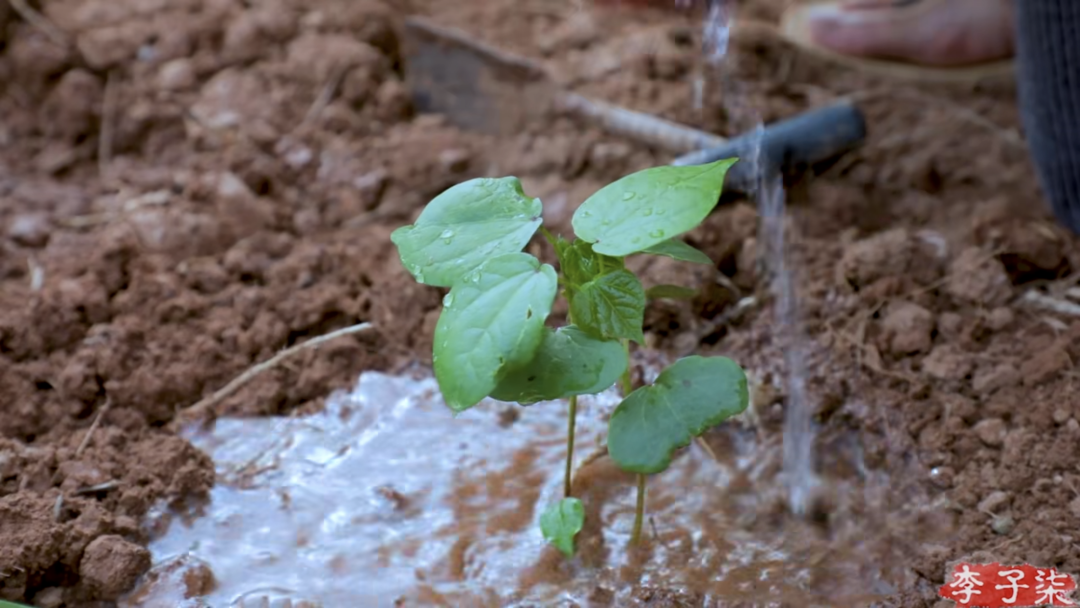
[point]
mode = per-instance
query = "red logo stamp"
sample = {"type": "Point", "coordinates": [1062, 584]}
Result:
{"type": "Point", "coordinates": [997, 586]}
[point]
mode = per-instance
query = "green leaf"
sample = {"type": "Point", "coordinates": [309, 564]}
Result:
{"type": "Point", "coordinates": [467, 224]}
{"type": "Point", "coordinates": [688, 398]}
{"type": "Point", "coordinates": [678, 250]}
{"type": "Point", "coordinates": [646, 208]}
{"type": "Point", "coordinates": [671, 292]}
{"type": "Point", "coordinates": [580, 264]}
{"type": "Point", "coordinates": [561, 522]}
{"type": "Point", "coordinates": [568, 362]}
{"type": "Point", "coordinates": [612, 306]}
{"type": "Point", "coordinates": [492, 321]}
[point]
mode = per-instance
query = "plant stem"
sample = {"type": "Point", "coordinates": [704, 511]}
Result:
{"type": "Point", "coordinates": [627, 383]}
{"type": "Point", "coordinates": [570, 446]}
{"type": "Point", "coordinates": [547, 235]}
{"type": "Point", "coordinates": [639, 514]}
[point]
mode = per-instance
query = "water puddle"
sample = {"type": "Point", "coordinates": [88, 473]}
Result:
{"type": "Point", "coordinates": [386, 499]}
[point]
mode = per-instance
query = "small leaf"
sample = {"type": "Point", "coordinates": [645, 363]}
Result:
{"type": "Point", "coordinates": [568, 362]}
{"type": "Point", "coordinates": [611, 306]}
{"type": "Point", "coordinates": [671, 292]}
{"type": "Point", "coordinates": [580, 264]}
{"type": "Point", "coordinates": [466, 225]}
{"type": "Point", "coordinates": [492, 321]}
{"type": "Point", "coordinates": [678, 250]}
{"type": "Point", "coordinates": [561, 522]}
{"type": "Point", "coordinates": [688, 398]}
{"type": "Point", "coordinates": [649, 207]}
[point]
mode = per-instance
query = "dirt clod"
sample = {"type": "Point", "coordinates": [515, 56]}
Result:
{"type": "Point", "coordinates": [29, 229]}
{"type": "Point", "coordinates": [994, 501]}
{"type": "Point", "coordinates": [1003, 526]}
{"type": "Point", "coordinates": [989, 379]}
{"type": "Point", "coordinates": [907, 329]}
{"type": "Point", "coordinates": [946, 362]}
{"type": "Point", "coordinates": [991, 431]}
{"type": "Point", "coordinates": [977, 278]}
{"type": "Point", "coordinates": [1045, 366]}
{"type": "Point", "coordinates": [111, 565]}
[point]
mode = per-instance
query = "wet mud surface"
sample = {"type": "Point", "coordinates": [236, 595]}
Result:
{"type": "Point", "coordinates": [189, 187]}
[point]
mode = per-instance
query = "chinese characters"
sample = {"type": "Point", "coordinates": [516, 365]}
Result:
{"type": "Point", "coordinates": [998, 586]}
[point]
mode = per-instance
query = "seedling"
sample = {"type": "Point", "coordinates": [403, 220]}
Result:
{"type": "Point", "coordinates": [492, 338]}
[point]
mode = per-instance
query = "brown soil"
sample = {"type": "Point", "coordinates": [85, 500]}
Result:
{"type": "Point", "coordinates": [189, 187]}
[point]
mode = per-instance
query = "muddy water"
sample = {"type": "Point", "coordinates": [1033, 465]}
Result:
{"type": "Point", "coordinates": [386, 497]}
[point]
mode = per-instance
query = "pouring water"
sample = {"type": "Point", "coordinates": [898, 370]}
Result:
{"type": "Point", "coordinates": [798, 456]}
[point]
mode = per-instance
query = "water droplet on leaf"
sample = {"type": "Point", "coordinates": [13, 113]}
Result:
{"type": "Point", "coordinates": [448, 300]}
{"type": "Point", "coordinates": [656, 234]}
{"type": "Point", "coordinates": [628, 196]}
{"type": "Point", "coordinates": [448, 233]}
{"type": "Point", "coordinates": [647, 212]}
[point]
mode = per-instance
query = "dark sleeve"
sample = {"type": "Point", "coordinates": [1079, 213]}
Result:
{"type": "Point", "coordinates": [1048, 62]}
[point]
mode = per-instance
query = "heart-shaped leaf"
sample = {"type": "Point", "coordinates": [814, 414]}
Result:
{"type": "Point", "coordinates": [649, 207]}
{"type": "Point", "coordinates": [467, 224]}
{"type": "Point", "coordinates": [492, 321]}
{"type": "Point", "coordinates": [611, 306]}
{"type": "Point", "coordinates": [688, 398]}
{"type": "Point", "coordinates": [561, 522]}
{"type": "Point", "coordinates": [679, 250]}
{"type": "Point", "coordinates": [568, 362]}
{"type": "Point", "coordinates": [671, 292]}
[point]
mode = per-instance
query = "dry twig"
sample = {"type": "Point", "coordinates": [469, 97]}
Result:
{"type": "Point", "coordinates": [156, 197]}
{"type": "Point", "coordinates": [1063, 307]}
{"type": "Point", "coordinates": [41, 22]}
{"type": "Point", "coordinates": [101, 487]}
{"type": "Point", "coordinates": [93, 426]}
{"type": "Point", "coordinates": [37, 274]}
{"type": "Point", "coordinates": [326, 95]}
{"type": "Point", "coordinates": [204, 406]}
{"type": "Point", "coordinates": [704, 445]}
{"type": "Point", "coordinates": [108, 125]}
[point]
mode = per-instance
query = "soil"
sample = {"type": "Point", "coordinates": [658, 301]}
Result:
{"type": "Point", "coordinates": [190, 187]}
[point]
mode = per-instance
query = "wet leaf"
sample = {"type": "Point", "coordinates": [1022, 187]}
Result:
{"type": "Point", "coordinates": [612, 306]}
{"type": "Point", "coordinates": [688, 398]}
{"type": "Point", "coordinates": [649, 207]}
{"type": "Point", "coordinates": [561, 522]}
{"type": "Point", "coordinates": [671, 292]}
{"type": "Point", "coordinates": [492, 321]}
{"type": "Point", "coordinates": [467, 224]}
{"type": "Point", "coordinates": [678, 250]}
{"type": "Point", "coordinates": [580, 264]}
{"type": "Point", "coordinates": [568, 362]}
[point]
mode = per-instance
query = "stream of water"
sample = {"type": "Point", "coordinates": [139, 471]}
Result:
{"type": "Point", "coordinates": [798, 458]}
